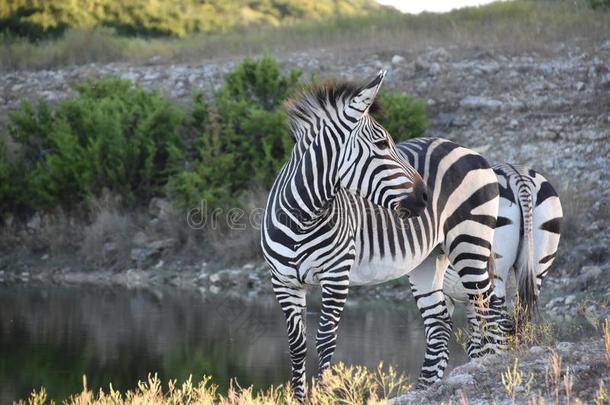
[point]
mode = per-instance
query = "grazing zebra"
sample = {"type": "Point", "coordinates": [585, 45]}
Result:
{"type": "Point", "coordinates": [526, 239]}
{"type": "Point", "coordinates": [346, 209]}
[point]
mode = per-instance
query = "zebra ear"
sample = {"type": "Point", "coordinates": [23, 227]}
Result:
{"type": "Point", "coordinates": [365, 96]}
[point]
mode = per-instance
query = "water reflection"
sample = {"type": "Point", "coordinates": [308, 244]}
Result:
{"type": "Point", "coordinates": [53, 335]}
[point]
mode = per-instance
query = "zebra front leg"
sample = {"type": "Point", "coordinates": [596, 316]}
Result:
{"type": "Point", "coordinates": [334, 294]}
{"type": "Point", "coordinates": [427, 286]}
{"type": "Point", "coordinates": [293, 303]}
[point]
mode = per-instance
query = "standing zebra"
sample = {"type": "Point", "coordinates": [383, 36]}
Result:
{"type": "Point", "coordinates": [526, 239]}
{"type": "Point", "coordinates": [340, 213]}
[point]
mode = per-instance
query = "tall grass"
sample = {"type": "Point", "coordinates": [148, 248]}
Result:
{"type": "Point", "coordinates": [511, 26]}
{"type": "Point", "coordinates": [341, 385]}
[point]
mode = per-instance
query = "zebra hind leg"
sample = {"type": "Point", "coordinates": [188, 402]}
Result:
{"type": "Point", "coordinates": [487, 314]}
{"type": "Point", "coordinates": [334, 295]}
{"type": "Point", "coordinates": [427, 286]}
{"type": "Point", "coordinates": [293, 303]}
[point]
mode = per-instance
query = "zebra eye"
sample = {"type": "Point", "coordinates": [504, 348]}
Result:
{"type": "Point", "coordinates": [381, 143]}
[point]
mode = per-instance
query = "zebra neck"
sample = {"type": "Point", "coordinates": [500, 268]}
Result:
{"type": "Point", "coordinates": [309, 188]}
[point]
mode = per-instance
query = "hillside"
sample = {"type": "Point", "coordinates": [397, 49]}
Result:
{"type": "Point", "coordinates": [41, 18]}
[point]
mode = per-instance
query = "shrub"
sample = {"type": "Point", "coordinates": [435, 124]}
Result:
{"type": "Point", "coordinates": [244, 137]}
{"type": "Point", "coordinates": [112, 136]}
{"type": "Point", "coordinates": [599, 4]}
{"type": "Point", "coordinates": [8, 181]}
{"type": "Point", "coordinates": [404, 117]}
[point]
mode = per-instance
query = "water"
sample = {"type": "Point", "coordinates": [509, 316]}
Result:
{"type": "Point", "coordinates": [51, 336]}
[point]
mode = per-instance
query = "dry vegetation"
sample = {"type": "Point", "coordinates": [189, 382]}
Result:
{"type": "Point", "coordinates": [342, 385]}
{"type": "Point", "coordinates": [507, 26]}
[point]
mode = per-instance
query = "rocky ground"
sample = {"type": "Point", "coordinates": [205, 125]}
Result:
{"type": "Point", "coordinates": [550, 111]}
{"type": "Point", "coordinates": [561, 373]}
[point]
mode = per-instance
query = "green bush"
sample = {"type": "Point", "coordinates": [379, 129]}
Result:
{"type": "Point", "coordinates": [404, 117]}
{"type": "Point", "coordinates": [112, 136]}
{"type": "Point", "coordinates": [9, 179]}
{"type": "Point", "coordinates": [116, 137]}
{"type": "Point", "coordinates": [599, 4]}
{"type": "Point", "coordinates": [244, 137]}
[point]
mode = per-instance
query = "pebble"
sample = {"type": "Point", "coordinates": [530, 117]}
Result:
{"type": "Point", "coordinates": [435, 69]}
{"type": "Point", "coordinates": [564, 347]}
{"type": "Point", "coordinates": [397, 59]}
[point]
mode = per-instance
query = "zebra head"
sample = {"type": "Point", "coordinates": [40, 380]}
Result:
{"type": "Point", "coordinates": [370, 165]}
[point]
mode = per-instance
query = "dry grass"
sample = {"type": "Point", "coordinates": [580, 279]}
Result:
{"type": "Point", "coordinates": [236, 237]}
{"type": "Point", "coordinates": [606, 331]}
{"type": "Point", "coordinates": [107, 239]}
{"type": "Point", "coordinates": [341, 385]}
{"type": "Point", "coordinates": [509, 26]}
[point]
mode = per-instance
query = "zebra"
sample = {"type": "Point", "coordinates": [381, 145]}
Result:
{"type": "Point", "coordinates": [526, 239]}
{"type": "Point", "coordinates": [347, 209]}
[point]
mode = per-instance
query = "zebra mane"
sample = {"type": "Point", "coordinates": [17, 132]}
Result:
{"type": "Point", "coordinates": [309, 103]}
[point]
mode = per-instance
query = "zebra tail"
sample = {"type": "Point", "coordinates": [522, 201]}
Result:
{"type": "Point", "coordinates": [525, 270]}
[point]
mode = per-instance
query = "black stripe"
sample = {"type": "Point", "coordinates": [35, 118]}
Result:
{"type": "Point", "coordinates": [546, 191]}
{"type": "Point", "coordinates": [548, 258]}
{"type": "Point", "coordinates": [503, 221]}
{"type": "Point", "coordinates": [552, 225]}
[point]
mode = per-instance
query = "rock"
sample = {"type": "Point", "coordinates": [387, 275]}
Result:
{"type": "Point", "coordinates": [460, 379]}
{"type": "Point", "coordinates": [564, 347]}
{"type": "Point", "coordinates": [489, 68]}
{"type": "Point", "coordinates": [480, 103]}
{"type": "Point", "coordinates": [435, 69]}
{"type": "Point", "coordinates": [421, 65]}
{"type": "Point", "coordinates": [34, 223]}
{"type": "Point", "coordinates": [397, 59]}
{"type": "Point", "coordinates": [230, 278]}
{"type": "Point", "coordinates": [588, 275]}
{"type": "Point", "coordinates": [513, 124]}
{"type": "Point", "coordinates": [438, 55]}
{"type": "Point", "coordinates": [159, 207]}
{"type": "Point", "coordinates": [536, 350]}
{"type": "Point", "coordinates": [554, 302]}
{"type": "Point", "coordinates": [570, 299]}
{"type": "Point", "coordinates": [151, 253]}
{"type": "Point", "coordinates": [547, 135]}
{"type": "Point", "coordinates": [139, 239]}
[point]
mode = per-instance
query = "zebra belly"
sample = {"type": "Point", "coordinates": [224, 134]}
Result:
{"type": "Point", "coordinates": [377, 271]}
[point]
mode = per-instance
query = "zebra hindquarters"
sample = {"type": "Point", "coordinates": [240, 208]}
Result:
{"type": "Point", "coordinates": [469, 235]}
{"type": "Point", "coordinates": [427, 287]}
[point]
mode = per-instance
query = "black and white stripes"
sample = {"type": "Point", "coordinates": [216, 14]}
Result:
{"type": "Point", "coordinates": [348, 209]}
{"type": "Point", "coordinates": [527, 235]}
